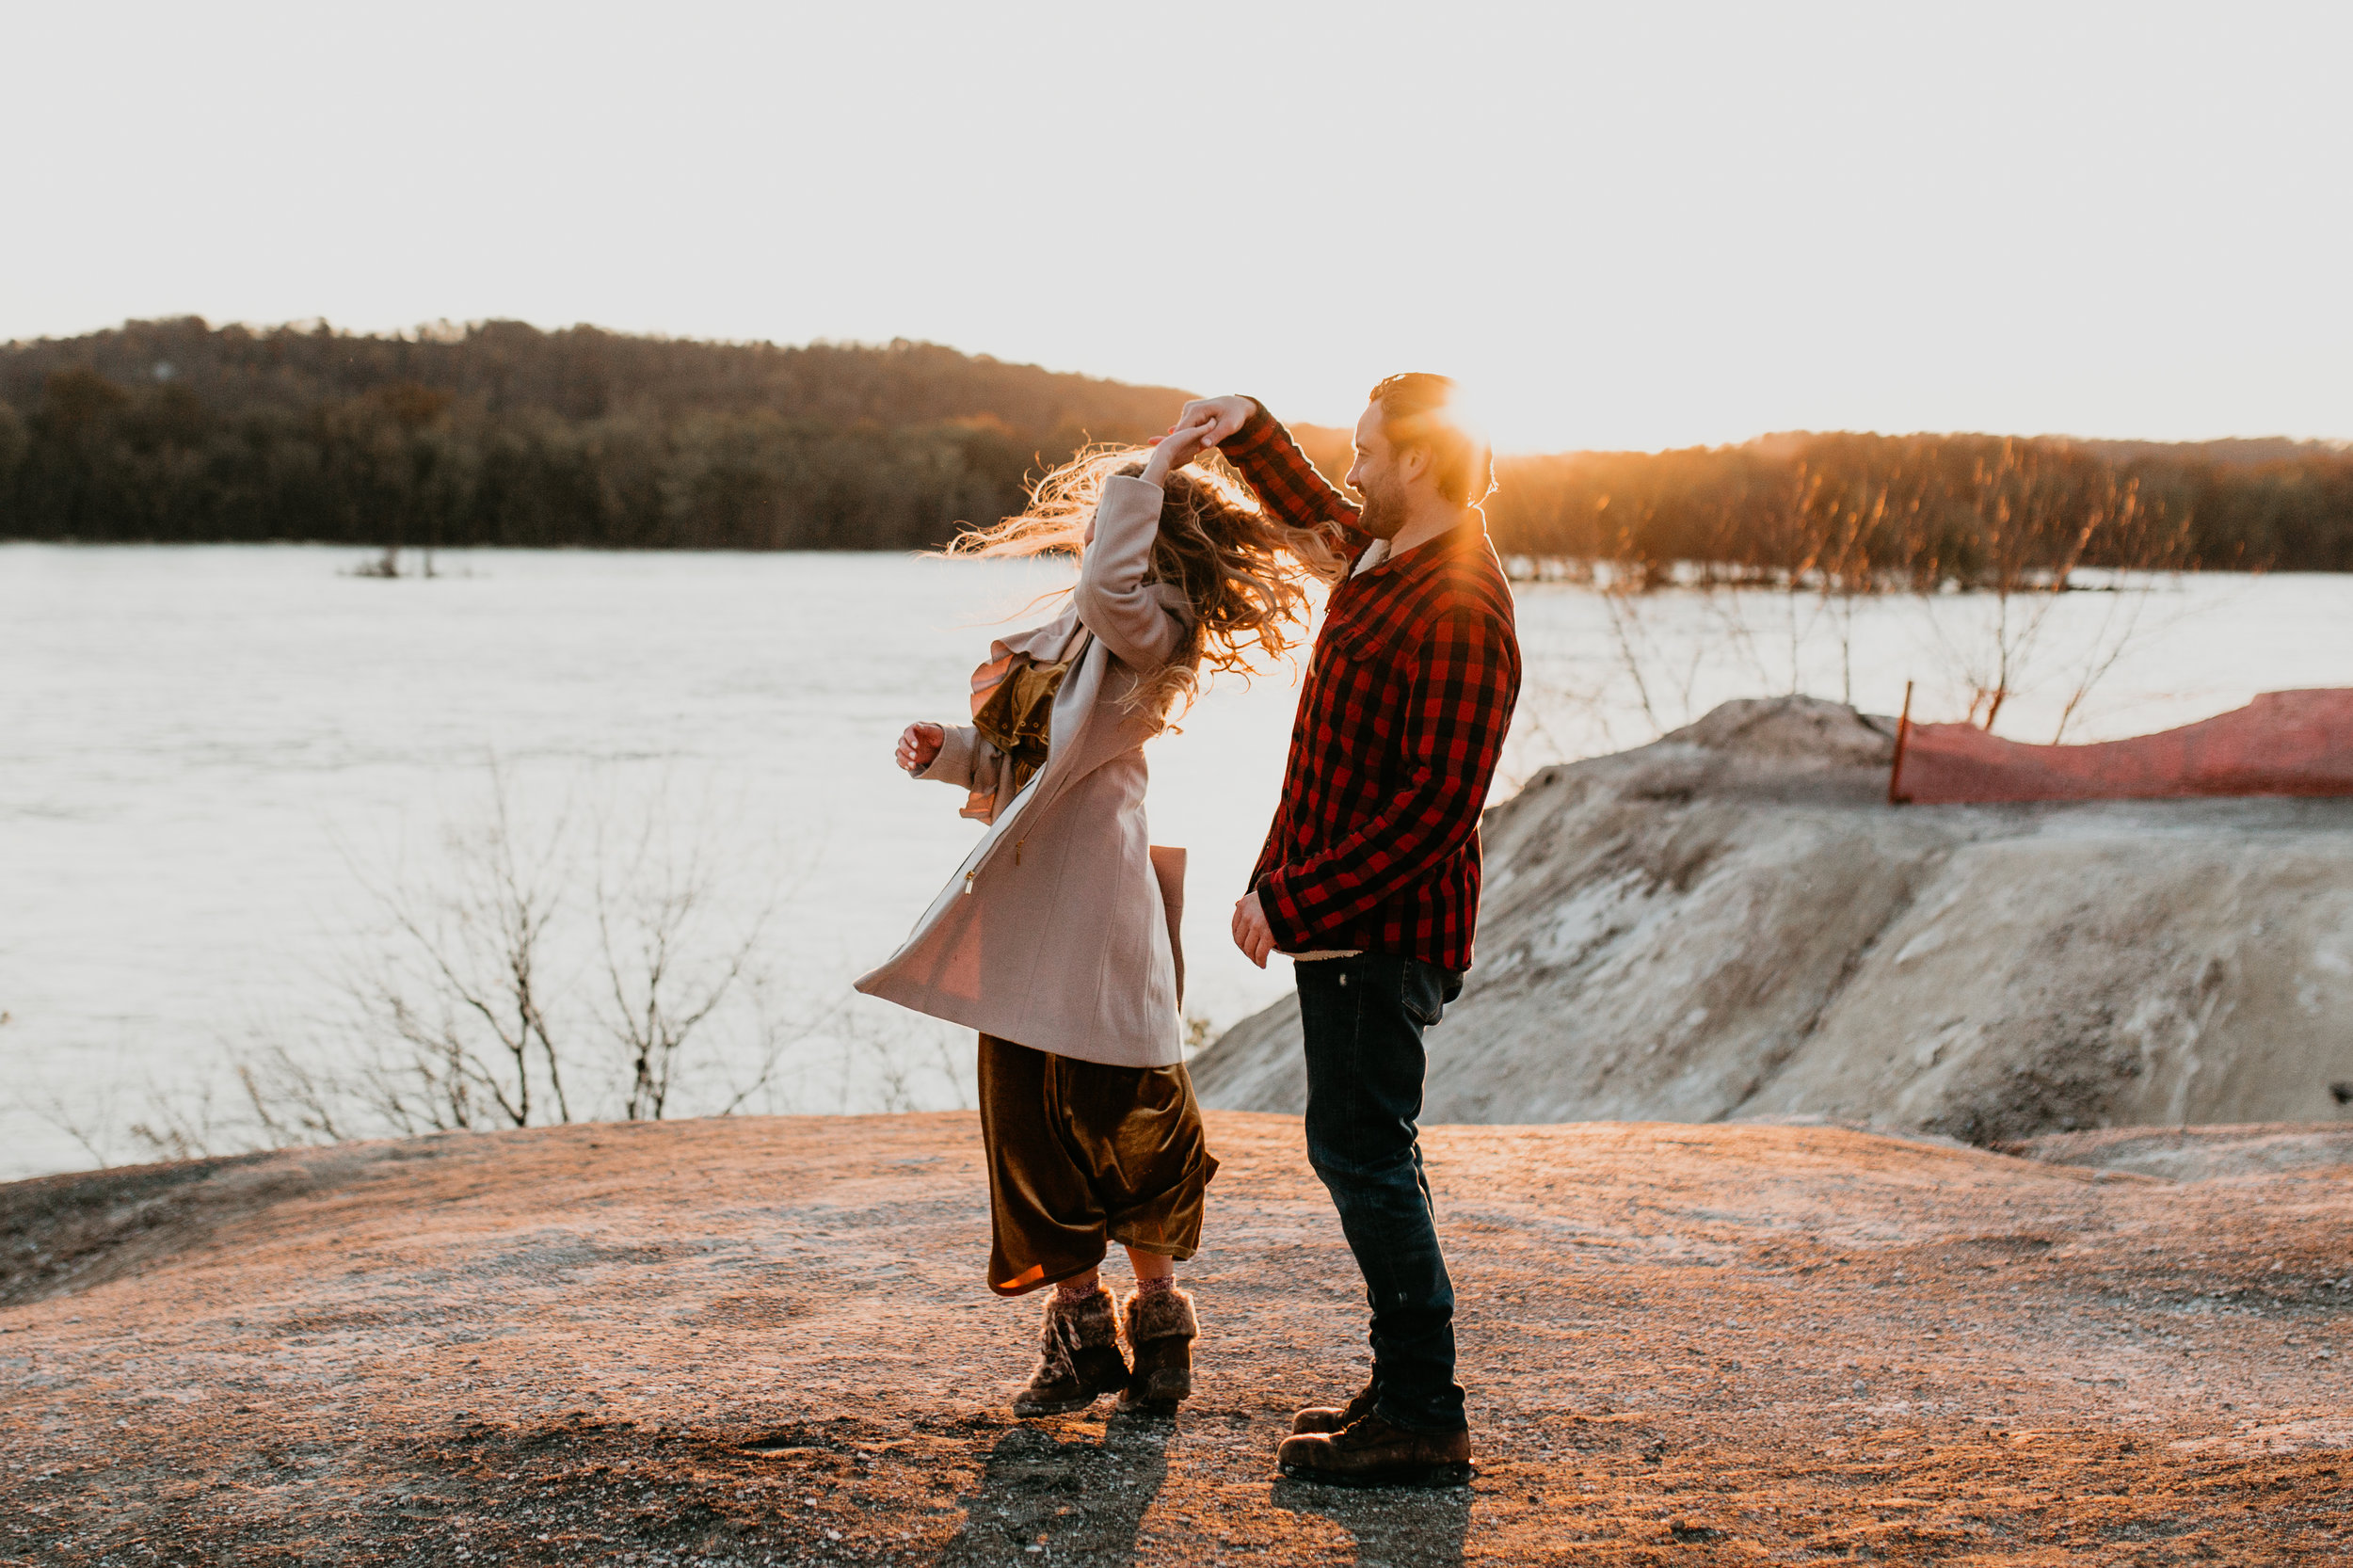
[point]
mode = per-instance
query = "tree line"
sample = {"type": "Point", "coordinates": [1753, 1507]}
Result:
{"type": "Point", "coordinates": [1924, 511]}
{"type": "Point", "coordinates": [498, 433]}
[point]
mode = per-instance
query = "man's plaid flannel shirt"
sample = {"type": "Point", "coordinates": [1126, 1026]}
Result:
{"type": "Point", "coordinates": [1375, 843]}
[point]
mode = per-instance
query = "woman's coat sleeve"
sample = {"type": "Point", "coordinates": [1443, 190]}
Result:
{"type": "Point", "coordinates": [1113, 599]}
{"type": "Point", "coordinates": [971, 764]}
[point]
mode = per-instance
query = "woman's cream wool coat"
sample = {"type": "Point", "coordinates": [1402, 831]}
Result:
{"type": "Point", "coordinates": [1058, 932]}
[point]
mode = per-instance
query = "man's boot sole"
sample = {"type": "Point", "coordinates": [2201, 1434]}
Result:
{"type": "Point", "coordinates": [1413, 1476]}
{"type": "Point", "coordinates": [1054, 1407]}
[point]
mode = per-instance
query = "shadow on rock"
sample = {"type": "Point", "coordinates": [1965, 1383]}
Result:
{"type": "Point", "coordinates": [1081, 1501]}
{"type": "Point", "coordinates": [1394, 1527]}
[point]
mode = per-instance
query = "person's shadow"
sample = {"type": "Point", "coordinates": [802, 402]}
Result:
{"type": "Point", "coordinates": [1394, 1527]}
{"type": "Point", "coordinates": [1075, 1500]}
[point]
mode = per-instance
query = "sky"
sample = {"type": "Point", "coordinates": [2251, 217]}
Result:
{"type": "Point", "coordinates": [1618, 225]}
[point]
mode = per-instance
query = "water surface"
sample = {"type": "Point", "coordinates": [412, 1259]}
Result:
{"type": "Point", "coordinates": [203, 749]}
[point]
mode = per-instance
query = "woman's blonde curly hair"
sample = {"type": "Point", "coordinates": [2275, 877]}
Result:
{"type": "Point", "coordinates": [1245, 573]}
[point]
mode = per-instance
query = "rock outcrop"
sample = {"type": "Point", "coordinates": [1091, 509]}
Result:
{"type": "Point", "coordinates": [1731, 922]}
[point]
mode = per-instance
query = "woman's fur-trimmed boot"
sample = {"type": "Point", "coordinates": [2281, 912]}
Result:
{"type": "Point", "coordinates": [1161, 1331]}
{"type": "Point", "coordinates": [1078, 1357]}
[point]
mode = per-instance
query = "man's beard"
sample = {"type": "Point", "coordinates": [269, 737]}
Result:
{"type": "Point", "coordinates": [1383, 512]}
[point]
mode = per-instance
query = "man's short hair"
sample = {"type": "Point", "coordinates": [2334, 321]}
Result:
{"type": "Point", "coordinates": [1418, 411]}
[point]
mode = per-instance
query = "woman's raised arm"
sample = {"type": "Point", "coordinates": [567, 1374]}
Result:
{"type": "Point", "coordinates": [1114, 601]}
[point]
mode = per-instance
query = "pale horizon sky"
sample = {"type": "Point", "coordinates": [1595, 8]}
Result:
{"type": "Point", "coordinates": [1623, 227]}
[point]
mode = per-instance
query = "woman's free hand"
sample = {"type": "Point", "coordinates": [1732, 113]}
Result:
{"type": "Point", "coordinates": [919, 746]}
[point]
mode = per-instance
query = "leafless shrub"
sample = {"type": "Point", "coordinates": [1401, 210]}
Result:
{"type": "Point", "coordinates": [294, 1102]}
{"type": "Point", "coordinates": [453, 1007]}
{"type": "Point", "coordinates": [89, 1127]}
{"type": "Point", "coordinates": [179, 1122]}
{"type": "Point", "coordinates": [1661, 667]}
{"type": "Point", "coordinates": [665, 965]}
{"type": "Point", "coordinates": [584, 964]}
{"type": "Point", "coordinates": [1784, 571]}
{"type": "Point", "coordinates": [2041, 520]}
{"type": "Point", "coordinates": [580, 962]}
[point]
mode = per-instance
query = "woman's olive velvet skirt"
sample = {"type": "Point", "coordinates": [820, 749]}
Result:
{"type": "Point", "coordinates": [1081, 1154]}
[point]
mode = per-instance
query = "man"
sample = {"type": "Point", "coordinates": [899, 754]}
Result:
{"type": "Point", "coordinates": [1370, 877]}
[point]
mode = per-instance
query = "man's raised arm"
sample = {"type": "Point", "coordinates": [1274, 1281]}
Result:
{"type": "Point", "coordinates": [1272, 463]}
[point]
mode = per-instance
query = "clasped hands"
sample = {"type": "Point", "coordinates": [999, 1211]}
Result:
{"type": "Point", "coordinates": [1200, 425]}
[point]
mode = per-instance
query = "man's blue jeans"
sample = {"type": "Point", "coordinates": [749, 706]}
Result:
{"type": "Point", "coordinates": [1364, 1018]}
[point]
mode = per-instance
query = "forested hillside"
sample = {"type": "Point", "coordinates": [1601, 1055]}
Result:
{"type": "Point", "coordinates": [501, 434]}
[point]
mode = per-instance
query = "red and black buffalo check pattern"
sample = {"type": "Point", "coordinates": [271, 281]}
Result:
{"type": "Point", "coordinates": [1375, 844]}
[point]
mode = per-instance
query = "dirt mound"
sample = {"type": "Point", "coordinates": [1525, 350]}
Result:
{"type": "Point", "coordinates": [1732, 923]}
{"type": "Point", "coordinates": [1800, 732]}
{"type": "Point", "coordinates": [2197, 1153]}
{"type": "Point", "coordinates": [755, 1341]}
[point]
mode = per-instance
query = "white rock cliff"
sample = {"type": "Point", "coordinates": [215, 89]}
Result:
{"type": "Point", "coordinates": [1731, 922]}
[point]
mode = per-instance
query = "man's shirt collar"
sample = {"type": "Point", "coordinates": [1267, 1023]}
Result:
{"type": "Point", "coordinates": [1469, 533]}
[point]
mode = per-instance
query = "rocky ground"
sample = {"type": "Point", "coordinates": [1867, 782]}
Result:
{"type": "Point", "coordinates": [765, 1341]}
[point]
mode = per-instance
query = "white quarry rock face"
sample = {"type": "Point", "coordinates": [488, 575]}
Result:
{"type": "Point", "coordinates": [1731, 922]}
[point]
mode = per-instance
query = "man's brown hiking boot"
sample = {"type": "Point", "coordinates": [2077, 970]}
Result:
{"type": "Point", "coordinates": [1371, 1452]}
{"type": "Point", "coordinates": [1161, 1331]}
{"type": "Point", "coordinates": [1078, 1357]}
{"type": "Point", "coordinates": [1325, 1417]}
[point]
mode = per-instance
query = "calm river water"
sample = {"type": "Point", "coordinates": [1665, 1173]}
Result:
{"type": "Point", "coordinates": [206, 754]}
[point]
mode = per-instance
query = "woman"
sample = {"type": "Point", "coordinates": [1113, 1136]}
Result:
{"type": "Point", "coordinates": [1057, 938]}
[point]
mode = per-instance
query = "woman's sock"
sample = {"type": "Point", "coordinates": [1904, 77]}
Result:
{"type": "Point", "coordinates": [1147, 1285]}
{"type": "Point", "coordinates": [1070, 1290]}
